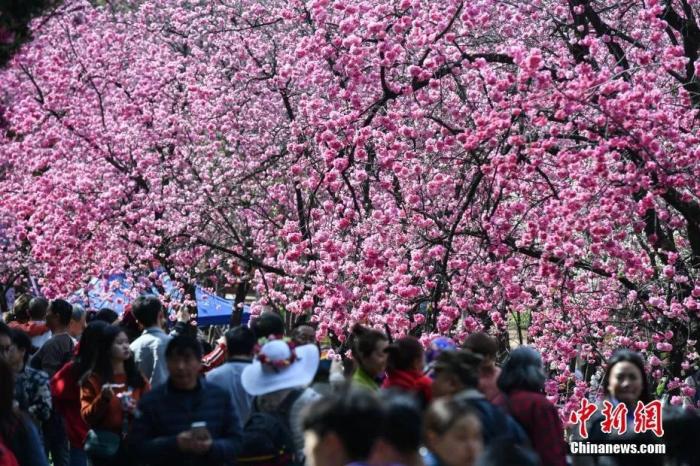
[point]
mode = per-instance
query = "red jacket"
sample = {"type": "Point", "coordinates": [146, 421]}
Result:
{"type": "Point", "coordinates": [541, 421]}
{"type": "Point", "coordinates": [65, 392]}
{"type": "Point", "coordinates": [410, 381]}
{"type": "Point", "coordinates": [33, 329]}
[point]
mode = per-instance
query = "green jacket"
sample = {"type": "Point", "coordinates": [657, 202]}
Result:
{"type": "Point", "coordinates": [362, 379]}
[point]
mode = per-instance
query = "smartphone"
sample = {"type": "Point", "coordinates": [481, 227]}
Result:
{"type": "Point", "coordinates": [114, 385]}
{"type": "Point", "coordinates": [200, 431]}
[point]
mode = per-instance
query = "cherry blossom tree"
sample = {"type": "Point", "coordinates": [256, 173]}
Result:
{"type": "Point", "coordinates": [14, 23]}
{"type": "Point", "coordinates": [435, 166]}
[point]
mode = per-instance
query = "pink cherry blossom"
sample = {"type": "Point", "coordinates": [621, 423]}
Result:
{"type": "Point", "coordinates": [435, 166]}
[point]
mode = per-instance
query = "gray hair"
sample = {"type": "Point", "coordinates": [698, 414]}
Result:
{"type": "Point", "coordinates": [78, 312]}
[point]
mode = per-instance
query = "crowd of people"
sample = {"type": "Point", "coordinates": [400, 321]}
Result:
{"type": "Point", "coordinates": [126, 390]}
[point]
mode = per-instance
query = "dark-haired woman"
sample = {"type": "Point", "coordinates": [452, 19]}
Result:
{"type": "Point", "coordinates": [17, 432]}
{"type": "Point", "coordinates": [625, 382]}
{"type": "Point", "coordinates": [108, 395]}
{"type": "Point", "coordinates": [522, 384]}
{"type": "Point", "coordinates": [405, 362]}
{"type": "Point", "coordinates": [31, 386]}
{"type": "Point", "coordinates": [65, 389]}
{"type": "Point", "coordinates": [369, 352]}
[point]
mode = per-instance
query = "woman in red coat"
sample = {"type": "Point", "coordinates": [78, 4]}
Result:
{"type": "Point", "coordinates": [522, 384]}
{"type": "Point", "coordinates": [65, 390]}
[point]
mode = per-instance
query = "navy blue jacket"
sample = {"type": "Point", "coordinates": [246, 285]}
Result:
{"type": "Point", "coordinates": [495, 424]}
{"type": "Point", "coordinates": [165, 411]}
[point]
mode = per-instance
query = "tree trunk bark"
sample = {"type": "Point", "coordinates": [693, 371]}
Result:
{"type": "Point", "coordinates": [237, 313]}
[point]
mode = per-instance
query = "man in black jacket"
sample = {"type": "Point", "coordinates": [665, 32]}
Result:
{"type": "Point", "coordinates": [186, 421]}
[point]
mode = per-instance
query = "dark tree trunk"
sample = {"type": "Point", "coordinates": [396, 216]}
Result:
{"type": "Point", "coordinates": [3, 299]}
{"type": "Point", "coordinates": [237, 313]}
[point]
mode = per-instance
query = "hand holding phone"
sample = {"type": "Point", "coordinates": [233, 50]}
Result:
{"type": "Point", "coordinates": [200, 431]}
{"type": "Point", "coordinates": [108, 389]}
{"type": "Point", "coordinates": [201, 437]}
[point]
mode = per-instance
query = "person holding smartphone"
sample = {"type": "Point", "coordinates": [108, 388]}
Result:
{"type": "Point", "coordinates": [109, 393]}
{"type": "Point", "coordinates": [186, 421]}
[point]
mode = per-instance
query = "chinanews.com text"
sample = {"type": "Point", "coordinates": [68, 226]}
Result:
{"type": "Point", "coordinates": [586, 448]}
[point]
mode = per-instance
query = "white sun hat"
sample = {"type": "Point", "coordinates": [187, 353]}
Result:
{"type": "Point", "coordinates": [279, 366]}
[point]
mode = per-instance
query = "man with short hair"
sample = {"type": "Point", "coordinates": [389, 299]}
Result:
{"type": "Point", "coordinates": [107, 315]}
{"type": "Point", "coordinates": [149, 348]}
{"type": "Point", "coordinates": [78, 322]}
{"type": "Point", "coordinates": [186, 421]}
{"type": "Point", "coordinates": [342, 428]}
{"type": "Point", "coordinates": [50, 358]}
{"type": "Point", "coordinates": [401, 438]}
{"type": "Point", "coordinates": [457, 376]}
{"type": "Point", "coordinates": [240, 343]}
{"type": "Point", "coordinates": [487, 347]}
{"type": "Point", "coordinates": [266, 324]}
{"type": "Point", "coordinates": [40, 330]}
{"type": "Point", "coordinates": [58, 349]}
{"type": "Point", "coordinates": [30, 314]}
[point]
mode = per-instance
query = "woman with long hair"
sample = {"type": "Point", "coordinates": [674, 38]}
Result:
{"type": "Point", "coordinates": [108, 396]}
{"type": "Point", "coordinates": [17, 432]}
{"type": "Point", "coordinates": [625, 382]}
{"type": "Point", "coordinates": [369, 353]}
{"type": "Point", "coordinates": [625, 379]}
{"type": "Point", "coordinates": [522, 384]}
{"type": "Point", "coordinates": [65, 389]}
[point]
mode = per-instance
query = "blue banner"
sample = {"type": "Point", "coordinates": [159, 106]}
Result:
{"type": "Point", "coordinates": [113, 292]}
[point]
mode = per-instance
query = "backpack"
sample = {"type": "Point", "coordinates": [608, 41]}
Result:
{"type": "Point", "coordinates": [267, 437]}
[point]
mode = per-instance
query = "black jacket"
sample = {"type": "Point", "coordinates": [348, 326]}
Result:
{"type": "Point", "coordinates": [165, 412]}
